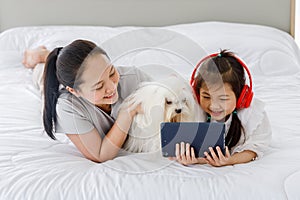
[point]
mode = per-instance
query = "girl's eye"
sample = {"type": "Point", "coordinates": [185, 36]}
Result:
{"type": "Point", "coordinates": [205, 97]}
{"type": "Point", "coordinates": [222, 99]}
{"type": "Point", "coordinates": [99, 88]}
{"type": "Point", "coordinates": [112, 73]}
{"type": "Point", "coordinates": [168, 102]}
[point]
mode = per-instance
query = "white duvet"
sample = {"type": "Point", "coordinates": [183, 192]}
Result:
{"type": "Point", "coordinates": [35, 167]}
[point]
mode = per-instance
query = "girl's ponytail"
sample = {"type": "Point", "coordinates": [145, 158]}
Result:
{"type": "Point", "coordinates": [64, 66]}
{"type": "Point", "coordinates": [235, 131]}
{"type": "Point", "coordinates": [51, 92]}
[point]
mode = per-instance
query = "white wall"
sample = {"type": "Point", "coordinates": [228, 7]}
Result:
{"type": "Point", "coordinates": [142, 12]}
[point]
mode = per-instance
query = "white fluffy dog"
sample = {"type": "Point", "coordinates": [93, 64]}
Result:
{"type": "Point", "coordinates": [170, 100]}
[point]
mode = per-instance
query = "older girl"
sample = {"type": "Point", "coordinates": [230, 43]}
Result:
{"type": "Point", "coordinates": [83, 91]}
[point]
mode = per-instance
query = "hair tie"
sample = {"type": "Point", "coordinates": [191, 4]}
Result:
{"type": "Point", "coordinates": [58, 49]}
{"type": "Point", "coordinates": [234, 112]}
{"type": "Point", "coordinates": [208, 118]}
{"type": "Point", "coordinates": [219, 55]}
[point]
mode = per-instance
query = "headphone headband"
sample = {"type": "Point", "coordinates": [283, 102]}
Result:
{"type": "Point", "coordinates": [246, 95]}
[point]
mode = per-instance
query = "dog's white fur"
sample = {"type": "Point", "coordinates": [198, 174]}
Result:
{"type": "Point", "coordinates": [170, 100]}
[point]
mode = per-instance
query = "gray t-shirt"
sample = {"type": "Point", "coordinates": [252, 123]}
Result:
{"type": "Point", "coordinates": [76, 115]}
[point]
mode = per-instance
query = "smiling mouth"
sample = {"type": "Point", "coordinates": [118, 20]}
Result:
{"type": "Point", "coordinates": [110, 96]}
{"type": "Point", "coordinates": [216, 113]}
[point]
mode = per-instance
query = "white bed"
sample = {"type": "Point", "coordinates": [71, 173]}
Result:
{"type": "Point", "coordinates": [35, 167]}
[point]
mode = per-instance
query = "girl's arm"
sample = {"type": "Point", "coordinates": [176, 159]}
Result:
{"type": "Point", "coordinates": [217, 159]}
{"type": "Point", "coordinates": [94, 148]}
{"type": "Point", "coordinates": [242, 157]}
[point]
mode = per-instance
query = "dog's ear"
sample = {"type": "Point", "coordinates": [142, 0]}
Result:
{"type": "Point", "coordinates": [196, 114]}
{"type": "Point", "coordinates": [150, 96]}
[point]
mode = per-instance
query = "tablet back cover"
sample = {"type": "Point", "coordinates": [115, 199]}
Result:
{"type": "Point", "coordinates": [200, 135]}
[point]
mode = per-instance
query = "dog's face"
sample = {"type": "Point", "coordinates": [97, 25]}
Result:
{"type": "Point", "coordinates": [168, 101]}
{"type": "Point", "coordinates": [178, 105]}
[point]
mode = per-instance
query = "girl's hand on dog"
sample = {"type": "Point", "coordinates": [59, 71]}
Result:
{"type": "Point", "coordinates": [131, 109]}
{"type": "Point", "coordinates": [185, 154]}
{"type": "Point", "coordinates": [126, 114]}
{"type": "Point", "coordinates": [132, 106]}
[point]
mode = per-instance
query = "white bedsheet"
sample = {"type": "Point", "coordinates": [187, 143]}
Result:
{"type": "Point", "coordinates": [35, 167]}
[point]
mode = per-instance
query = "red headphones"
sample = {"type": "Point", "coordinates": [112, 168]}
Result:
{"type": "Point", "coordinates": [246, 95]}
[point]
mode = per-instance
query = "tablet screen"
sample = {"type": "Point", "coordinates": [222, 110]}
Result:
{"type": "Point", "coordinates": [200, 135]}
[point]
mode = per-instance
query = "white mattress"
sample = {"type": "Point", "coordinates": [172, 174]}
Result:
{"type": "Point", "coordinates": [35, 167]}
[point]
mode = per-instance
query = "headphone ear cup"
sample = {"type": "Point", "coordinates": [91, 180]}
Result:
{"type": "Point", "coordinates": [249, 99]}
{"type": "Point", "coordinates": [245, 98]}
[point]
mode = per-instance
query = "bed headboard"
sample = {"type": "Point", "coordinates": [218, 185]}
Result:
{"type": "Point", "coordinates": [15, 13]}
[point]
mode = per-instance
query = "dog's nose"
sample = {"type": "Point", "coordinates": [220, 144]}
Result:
{"type": "Point", "coordinates": [178, 111]}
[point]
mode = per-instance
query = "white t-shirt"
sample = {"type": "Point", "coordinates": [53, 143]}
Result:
{"type": "Point", "coordinates": [258, 132]}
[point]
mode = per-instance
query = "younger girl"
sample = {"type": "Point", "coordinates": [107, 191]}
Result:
{"type": "Point", "coordinates": [219, 85]}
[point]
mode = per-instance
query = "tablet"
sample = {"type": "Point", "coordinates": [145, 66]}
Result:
{"type": "Point", "coordinates": [200, 135]}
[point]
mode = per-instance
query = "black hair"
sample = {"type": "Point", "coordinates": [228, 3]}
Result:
{"type": "Point", "coordinates": [64, 66]}
{"type": "Point", "coordinates": [227, 69]}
